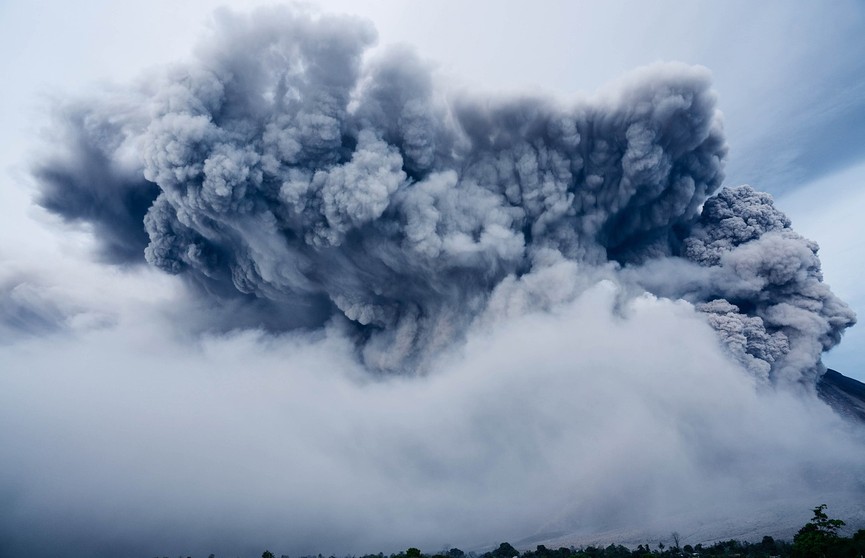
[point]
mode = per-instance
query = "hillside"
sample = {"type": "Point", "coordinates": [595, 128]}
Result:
{"type": "Point", "coordinates": [844, 394]}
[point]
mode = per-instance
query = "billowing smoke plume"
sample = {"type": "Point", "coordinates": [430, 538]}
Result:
{"type": "Point", "coordinates": [770, 290]}
{"type": "Point", "coordinates": [288, 168]}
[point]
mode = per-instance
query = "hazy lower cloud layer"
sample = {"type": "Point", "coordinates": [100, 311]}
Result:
{"type": "Point", "coordinates": [405, 315]}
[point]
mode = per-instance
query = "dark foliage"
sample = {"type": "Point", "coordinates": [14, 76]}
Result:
{"type": "Point", "coordinates": [819, 538]}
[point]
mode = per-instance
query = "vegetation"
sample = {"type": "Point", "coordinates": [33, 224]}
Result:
{"type": "Point", "coordinates": [819, 538]}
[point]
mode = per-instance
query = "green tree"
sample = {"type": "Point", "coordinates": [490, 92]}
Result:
{"type": "Point", "coordinates": [819, 537]}
{"type": "Point", "coordinates": [505, 550]}
{"type": "Point", "coordinates": [769, 546]}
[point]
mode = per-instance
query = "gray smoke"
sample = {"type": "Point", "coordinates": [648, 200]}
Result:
{"type": "Point", "coordinates": [769, 287]}
{"type": "Point", "coordinates": [285, 169]}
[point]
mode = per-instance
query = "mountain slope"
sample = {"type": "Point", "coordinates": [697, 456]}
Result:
{"type": "Point", "coordinates": [845, 395]}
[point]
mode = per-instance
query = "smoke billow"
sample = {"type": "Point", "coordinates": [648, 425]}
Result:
{"type": "Point", "coordinates": [547, 287]}
{"type": "Point", "coordinates": [287, 168]}
{"type": "Point", "coordinates": [576, 420]}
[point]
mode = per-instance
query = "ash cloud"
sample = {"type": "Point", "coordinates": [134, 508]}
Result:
{"type": "Point", "coordinates": [86, 180]}
{"type": "Point", "coordinates": [759, 284]}
{"type": "Point", "coordinates": [770, 275]}
{"type": "Point", "coordinates": [286, 169]}
{"type": "Point", "coordinates": [571, 314]}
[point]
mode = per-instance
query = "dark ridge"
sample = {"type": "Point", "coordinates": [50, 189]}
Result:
{"type": "Point", "coordinates": [845, 395]}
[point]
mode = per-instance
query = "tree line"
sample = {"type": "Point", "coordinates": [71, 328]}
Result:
{"type": "Point", "coordinates": [819, 538]}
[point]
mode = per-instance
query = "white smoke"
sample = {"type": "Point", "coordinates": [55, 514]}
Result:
{"type": "Point", "coordinates": [598, 411]}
